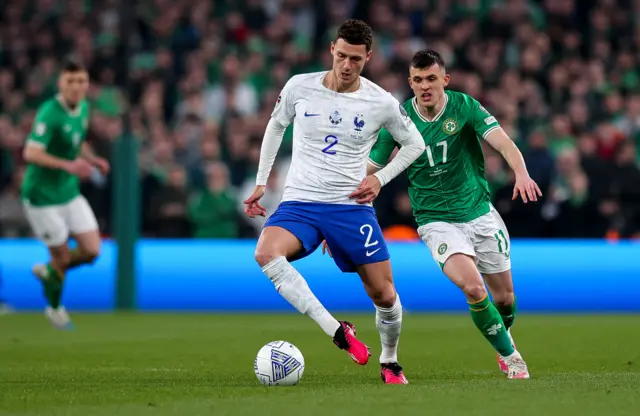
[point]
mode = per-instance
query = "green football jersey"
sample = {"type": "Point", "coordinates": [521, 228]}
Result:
{"type": "Point", "coordinates": [447, 182]}
{"type": "Point", "coordinates": [61, 132]}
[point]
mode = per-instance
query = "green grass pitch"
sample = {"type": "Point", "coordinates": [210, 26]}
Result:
{"type": "Point", "coordinates": [179, 364]}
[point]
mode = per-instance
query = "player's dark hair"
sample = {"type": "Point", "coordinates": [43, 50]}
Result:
{"type": "Point", "coordinates": [73, 66]}
{"type": "Point", "coordinates": [356, 32]}
{"type": "Point", "coordinates": [426, 58]}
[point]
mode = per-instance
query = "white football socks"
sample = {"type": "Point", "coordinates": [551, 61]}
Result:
{"type": "Point", "coordinates": [292, 286]}
{"type": "Point", "coordinates": [389, 324]}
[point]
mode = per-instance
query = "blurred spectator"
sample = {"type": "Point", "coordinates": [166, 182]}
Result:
{"type": "Point", "coordinates": [13, 222]}
{"type": "Point", "coordinates": [563, 78]}
{"type": "Point", "coordinates": [213, 211]}
{"type": "Point", "coordinates": [168, 208]}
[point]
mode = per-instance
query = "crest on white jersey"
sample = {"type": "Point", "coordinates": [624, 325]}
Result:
{"type": "Point", "coordinates": [335, 118]}
{"type": "Point", "coordinates": [358, 123]}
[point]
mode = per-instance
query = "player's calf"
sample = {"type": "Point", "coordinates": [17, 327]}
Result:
{"type": "Point", "coordinates": [378, 282]}
{"type": "Point", "coordinates": [501, 287]}
{"type": "Point", "coordinates": [274, 247]}
{"type": "Point", "coordinates": [462, 271]}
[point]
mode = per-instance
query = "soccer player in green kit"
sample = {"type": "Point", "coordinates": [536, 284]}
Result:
{"type": "Point", "coordinates": [451, 200]}
{"type": "Point", "coordinates": [57, 158]}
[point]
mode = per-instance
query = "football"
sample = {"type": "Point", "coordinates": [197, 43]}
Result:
{"type": "Point", "coordinates": [279, 363]}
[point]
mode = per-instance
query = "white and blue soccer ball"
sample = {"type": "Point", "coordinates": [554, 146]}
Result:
{"type": "Point", "coordinates": [279, 363]}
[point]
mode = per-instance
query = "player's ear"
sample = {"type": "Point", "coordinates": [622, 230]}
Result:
{"type": "Point", "coordinates": [333, 47]}
{"type": "Point", "coordinates": [447, 77]}
{"type": "Point", "coordinates": [368, 56]}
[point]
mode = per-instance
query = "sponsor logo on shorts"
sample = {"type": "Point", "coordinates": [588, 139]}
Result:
{"type": "Point", "coordinates": [442, 248]}
{"type": "Point", "coordinates": [371, 253]}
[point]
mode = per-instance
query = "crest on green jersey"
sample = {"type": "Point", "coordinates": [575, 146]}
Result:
{"type": "Point", "coordinates": [450, 126]}
{"type": "Point", "coordinates": [442, 248]}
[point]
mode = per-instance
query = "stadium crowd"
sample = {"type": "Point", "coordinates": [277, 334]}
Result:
{"type": "Point", "coordinates": [562, 77]}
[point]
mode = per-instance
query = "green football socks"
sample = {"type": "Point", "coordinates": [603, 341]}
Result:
{"type": "Point", "coordinates": [489, 322]}
{"type": "Point", "coordinates": [508, 313]}
{"type": "Point", "coordinates": [53, 287]}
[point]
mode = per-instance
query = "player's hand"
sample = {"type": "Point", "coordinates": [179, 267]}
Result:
{"type": "Point", "coordinates": [325, 248]}
{"type": "Point", "coordinates": [80, 168]}
{"type": "Point", "coordinates": [102, 165]}
{"type": "Point", "coordinates": [253, 207]}
{"type": "Point", "coordinates": [527, 188]}
{"type": "Point", "coordinates": [368, 190]}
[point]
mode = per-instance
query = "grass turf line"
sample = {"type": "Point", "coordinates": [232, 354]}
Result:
{"type": "Point", "coordinates": [165, 364]}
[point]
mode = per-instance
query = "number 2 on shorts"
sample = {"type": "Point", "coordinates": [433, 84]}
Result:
{"type": "Point", "coordinates": [368, 243]}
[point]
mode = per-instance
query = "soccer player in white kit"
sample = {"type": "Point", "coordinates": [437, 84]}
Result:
{"type": "Point", "coordinates": [337, 116]}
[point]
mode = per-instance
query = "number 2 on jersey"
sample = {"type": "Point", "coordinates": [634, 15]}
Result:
{"type": "Point", "coordinates": [444, 153]}
{"type": "Point", "coordinates": [332, 140]}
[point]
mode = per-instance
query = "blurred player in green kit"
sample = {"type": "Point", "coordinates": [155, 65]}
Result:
{"type": "Point", "coordinates": [451, 200]}
{"type": "Point", "coordinates": [57, 158]}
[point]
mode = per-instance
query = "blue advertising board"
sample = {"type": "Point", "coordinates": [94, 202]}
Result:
{"type": "Point", "coordinates": [204, 275]}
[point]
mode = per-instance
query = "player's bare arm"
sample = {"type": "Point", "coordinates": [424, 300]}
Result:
{"type": "Point", "coordinates": [526, 187]}
{"type": "Point", "coordinates": [36, 154]}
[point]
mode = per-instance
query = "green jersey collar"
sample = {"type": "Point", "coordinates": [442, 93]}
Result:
{"type": "Point", "coordinates": [75, 112]}
{"type": "Point", "coordinates": [437, 117]}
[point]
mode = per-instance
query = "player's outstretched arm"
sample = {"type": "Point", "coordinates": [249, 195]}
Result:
{"type": "Point", "coordinates": [281, 117]}
{"type": "Point", "coordinates": [525, 186]}
{"type": "Point", "coordinates": [270, 145]}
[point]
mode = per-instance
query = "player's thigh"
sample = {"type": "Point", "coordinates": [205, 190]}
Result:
{"type": "Point", "coordinates": [354, 237]}
{"type": "Point", "coordinates": [80, 217]}
{"type": "Point", "coordinates": [89, 243]}
{"type": "Point", "coordinates": [377, 279]}
{"type": "Point", "coordinates": [461, 270]}
{"type": "Point", "coordinates": [48, 224]}
{"type": "Point", "coordinates": [491, 244]}
{"type": "Point", "coordinates": [446, 239]}
{"type": "Point", "coordinates": [288, 232]}
{"type": "Point", "coordinates": [452, 249]}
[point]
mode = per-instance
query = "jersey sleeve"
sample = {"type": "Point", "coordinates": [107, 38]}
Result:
{"type": "Point", "coordinates": [382, 149]}
{"type": "Point", "coordinates": [398, 123]}
{"type": "Point", "coordinates": [43, 126]}
{"type": "Point", "coordinates": [483, 122]}
{"type": "Point", "coordinates": [285, 109]}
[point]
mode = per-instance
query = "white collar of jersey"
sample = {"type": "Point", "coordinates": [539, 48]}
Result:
{"type": "Point", "coordinates": [75, 112]}
{"type": "Point", "coordinates": [437, 117]}
{"type": "Point", "coordinates": [321, 83]}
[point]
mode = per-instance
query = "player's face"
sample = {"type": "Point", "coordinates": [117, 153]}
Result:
{"type": "Point", "coordinates": [73, 86]}
{"type": "Point", "coordinates": [348, 60]}
{"type": "Point", "coordinates": [428, 84]}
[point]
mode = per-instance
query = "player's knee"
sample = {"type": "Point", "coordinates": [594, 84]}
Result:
{"type": "Point", "coordinates": [503, 297]}
{"type": "Point", "coordinates": [474, 291]}
{"type": "Point", "coordinates": [265, 256]}
{"type": "Point", "coordinates": [92, 255]}
{"type": "Point", "coordinates": [384, 298]}
{"type": "Point", "coordinates": [61, 259]}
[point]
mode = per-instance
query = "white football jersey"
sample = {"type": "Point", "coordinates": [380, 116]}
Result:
{"type": "Point", "coordinates": [333, 134]}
